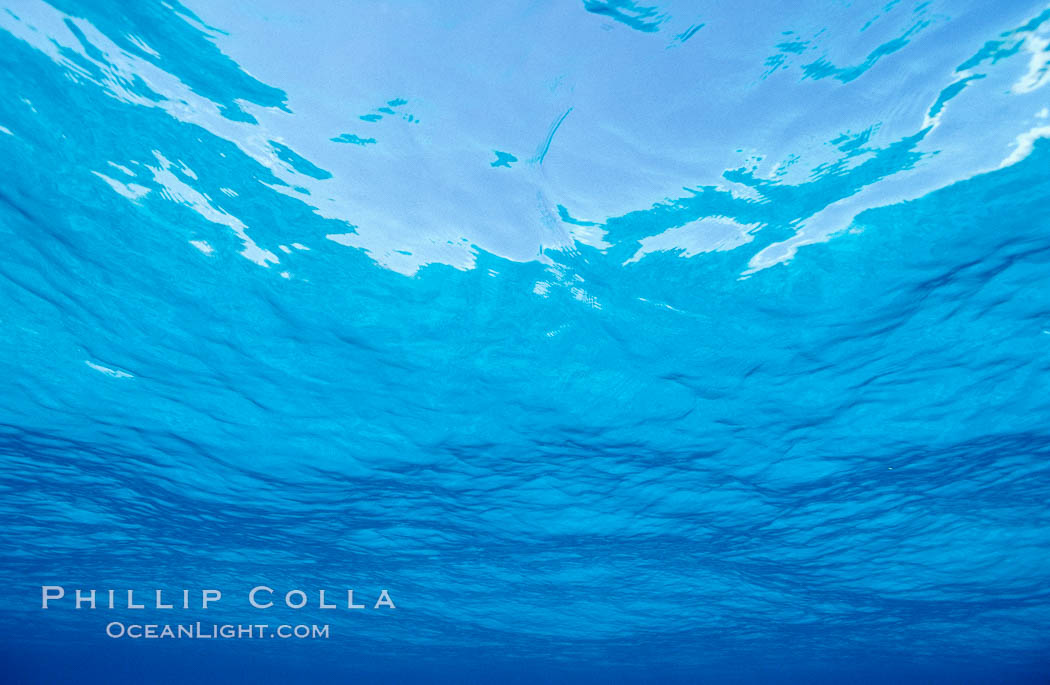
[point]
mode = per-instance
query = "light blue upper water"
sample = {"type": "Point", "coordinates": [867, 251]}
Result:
{"type": "Point", "coordinates": [695, 342]}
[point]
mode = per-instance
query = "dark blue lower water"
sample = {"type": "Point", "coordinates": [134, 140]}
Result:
{"type": "Point", "coordinates": [585, 342]}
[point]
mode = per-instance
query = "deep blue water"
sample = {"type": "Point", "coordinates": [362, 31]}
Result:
{"type": "Point", "coordinates": [619, 343]}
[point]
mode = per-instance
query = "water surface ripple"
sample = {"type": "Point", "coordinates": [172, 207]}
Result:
{"type": "Point", "coordinates": [620, 342]}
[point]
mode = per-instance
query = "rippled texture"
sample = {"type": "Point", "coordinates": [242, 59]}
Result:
{"type": "Point", "coordinates": [621, 342]}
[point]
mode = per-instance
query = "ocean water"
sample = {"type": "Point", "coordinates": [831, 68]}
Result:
{"type": "Point", "coordinates": [617, 342]}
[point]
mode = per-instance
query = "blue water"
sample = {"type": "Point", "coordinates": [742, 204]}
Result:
{"type": "Point", "coordinates": [618, 342]}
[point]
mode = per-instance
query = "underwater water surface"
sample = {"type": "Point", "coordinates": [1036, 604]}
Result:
{"type": "Point", "coordinates": [619, 342]}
